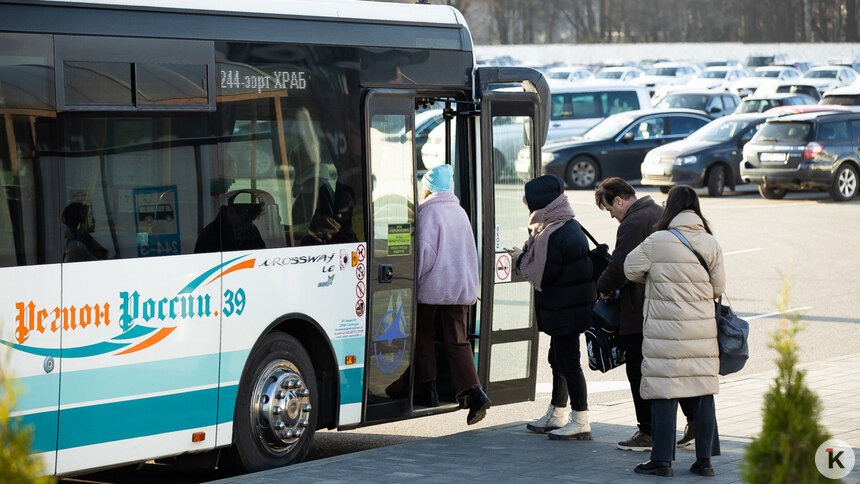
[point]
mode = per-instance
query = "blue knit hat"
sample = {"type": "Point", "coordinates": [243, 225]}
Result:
{"type": "Point", "coordinates": [439, 179]}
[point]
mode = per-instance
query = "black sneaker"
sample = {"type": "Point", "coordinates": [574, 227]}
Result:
{"type": "Point", "coordinates": [688, 440]}
{"type": "Point", "coordinates": [655, 468]}
{"type": "Point", "coordinates": [638, 443]}
{"type": "Point", "coordinates": [478, 405]}
{"type": "Point", "coordinates": [702, 467]}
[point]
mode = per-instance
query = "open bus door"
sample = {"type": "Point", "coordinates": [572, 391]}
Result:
{"type": "Point", "coordinates": [512, 126]}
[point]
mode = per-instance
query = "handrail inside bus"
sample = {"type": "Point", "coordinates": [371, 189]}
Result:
{"type": "Point", "coordinates": [532, 80]}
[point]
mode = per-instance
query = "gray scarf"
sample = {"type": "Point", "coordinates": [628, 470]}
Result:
{"type": "Point", "coordinates": [542, 223]}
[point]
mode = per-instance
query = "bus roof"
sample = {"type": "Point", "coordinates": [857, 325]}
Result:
{"type": "Point", "coordinates": [352, 10]}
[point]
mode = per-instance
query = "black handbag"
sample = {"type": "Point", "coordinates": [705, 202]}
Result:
{"type": "Point", "coordinates": [732, 331]}
{"type": "Point", "coordinates": [604, 353]}
{"type": "Point", "coordinates": [600, 257]}
{"type": "Point", "coordinates": [606, 314]}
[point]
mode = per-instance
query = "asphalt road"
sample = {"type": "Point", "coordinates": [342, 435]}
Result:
{"type": "Point", "coordinates": [805, 240]}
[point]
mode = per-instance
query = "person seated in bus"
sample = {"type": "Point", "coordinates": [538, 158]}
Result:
{"type": "Point", "coordinates": [447, 286]}
{"type": "Point", "coordinates": [80, 244]}
{"type": "Point", "coordinates": [555, 260]}
{"type": "Point", "coordinates": [333, 224]}
{"type": "Point", "coordinates": [233, 228]}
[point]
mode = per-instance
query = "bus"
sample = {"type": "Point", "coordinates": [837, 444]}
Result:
{"type": "Point", "coordinates": [208, 220]}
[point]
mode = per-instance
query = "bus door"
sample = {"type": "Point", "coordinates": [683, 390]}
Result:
{"type": "Point", "coordinates": [508, 332]}
{"type": "Point", "coordinates": [390, 277]}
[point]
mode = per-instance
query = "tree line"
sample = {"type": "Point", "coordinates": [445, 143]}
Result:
{"type": "Point", "coordinates": [640, 21]}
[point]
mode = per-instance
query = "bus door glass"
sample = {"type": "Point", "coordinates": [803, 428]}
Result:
{"type": "Point", "coordinates": [508, 356]}
{"type": "Point", "coordinates": [391, 270]}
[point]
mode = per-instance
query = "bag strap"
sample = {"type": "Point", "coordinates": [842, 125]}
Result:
{"type": "Point", "coordinates": [596, 244]}
{"type": "Point", "coordinates": [687, 243]}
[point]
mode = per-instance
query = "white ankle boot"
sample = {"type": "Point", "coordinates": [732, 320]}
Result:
{"type": "Point", "coordinates": [577, 429]}
{"type": "Point", "coordinates": [553, 419]}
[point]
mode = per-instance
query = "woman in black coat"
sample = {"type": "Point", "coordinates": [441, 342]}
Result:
{"type": "Point", "coordinates": [556, 262]}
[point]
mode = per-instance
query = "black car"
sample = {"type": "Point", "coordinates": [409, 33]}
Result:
{"type": "Point", "coordinates": [617, 145]}
{"type": "Point", "coordinates": [712, 103]}
{"type": "Point", "coordinates": [810, 151]}
{"type": "Point", "coordinates": [710, 157]}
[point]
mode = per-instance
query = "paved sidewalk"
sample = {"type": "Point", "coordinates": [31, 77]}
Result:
{"type": "Point", "coordinates": [509, 453]}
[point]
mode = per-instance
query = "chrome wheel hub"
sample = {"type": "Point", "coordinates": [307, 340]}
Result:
{"type": "Point", "coordinates": [583, 173]}
{"type": "Point", "coordinates": [280, 407]}
{"type": "Point", "coordinates": [847, 183]}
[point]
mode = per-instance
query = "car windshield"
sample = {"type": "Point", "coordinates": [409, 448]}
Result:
{"type": "Point", "coordinates": [843, 99]}
{"type": "Point", "coordinates": [715, 74]}
{"type": "Point", "coordinates": [559, 75]}
{"type": "Point", "coordinates": [758, 105]}
{"type": "Point", "coordinates": [784, 132]}
{"type": "Point", "coordinates": [609, 75]}
{"type": "Point", "coordinates": [753, 61]}
{"type": "Point", "coordinates": [662, 71]}
{"type": "Point", "coordinates": [719, 130]}
{"type": "Point", "coordinates": [689, 101]}
{"type": "Point", "coordinates": [772, 74]}
{"type": "Point", "coordinates": [610, 127]}
{"type": "Point", "coordinates": [822, 74]}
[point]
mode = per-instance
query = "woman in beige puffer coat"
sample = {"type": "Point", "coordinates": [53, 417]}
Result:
{"type": "Point", "coordinates": [679, 349]}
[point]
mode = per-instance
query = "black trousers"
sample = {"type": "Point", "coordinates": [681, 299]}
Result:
{"type": "Point", "coordinates": [564, 360]}
{"type": "Point", "coordinates": [559, 384]}
{"type": "Point", "coordinates": [632, 343]}
{"type": "Point", "coordinates": [664, 415]}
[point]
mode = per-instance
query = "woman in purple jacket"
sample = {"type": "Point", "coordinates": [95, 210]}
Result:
{"type": "Point", "coordinates": [447, 286]}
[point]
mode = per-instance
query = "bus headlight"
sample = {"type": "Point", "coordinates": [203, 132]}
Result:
{"type": "Point", "coordinates": [685, 160]}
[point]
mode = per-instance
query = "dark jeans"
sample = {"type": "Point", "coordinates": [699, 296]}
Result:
{"type": "Point", "coordinates": [559, 384]}
{"type": "Point", "coordinates": [451, 321]}
{"type": "Point", "coordinates": [664, 415]}
{"type": "Point", "coordinates": [564, 351]}
{"type": "Point", "coordinates": [632, 343]}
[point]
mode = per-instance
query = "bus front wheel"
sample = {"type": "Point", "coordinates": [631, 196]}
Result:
{"type": "Point", "coordinates": [276, 406]}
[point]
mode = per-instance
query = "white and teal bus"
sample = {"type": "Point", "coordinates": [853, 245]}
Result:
{"type": "Point", "coordinates": [208, 224]}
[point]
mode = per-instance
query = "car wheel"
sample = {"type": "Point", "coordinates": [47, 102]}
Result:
{"type": "Point", "coordinates": [716, 180]}
{"type": "Point", "coordinates": [772, 193]}
{"type": "Point", "coordinates": [582, 173]}
{"type": "Point", "coordinates": [275, 414]}
{"type": "Point", "coordinates": [665, 189]}
{"type": "Point", "coordinates": [844, 185]}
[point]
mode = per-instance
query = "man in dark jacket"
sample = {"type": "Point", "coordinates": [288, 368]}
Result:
{"type": "Point", "coordinates": [557, 264]}
{"type": "Point", "coordinates": [636, 218]}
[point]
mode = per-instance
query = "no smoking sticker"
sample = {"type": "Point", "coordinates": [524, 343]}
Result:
{"type": "Point", "coordinates": [503, 267]}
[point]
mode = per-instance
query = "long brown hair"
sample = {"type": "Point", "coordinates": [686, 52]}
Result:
{"type": "Point", "coordinates": [681, 197]}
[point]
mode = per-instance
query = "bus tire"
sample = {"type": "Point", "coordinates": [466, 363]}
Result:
{"type": "Point", "coordinates": [276, 407]}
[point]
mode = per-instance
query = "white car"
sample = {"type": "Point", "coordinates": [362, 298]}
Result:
{"type": "Point", "coordinates": [608, 75]}
{"type": "Point", "coordinates": [719, 78]}
{"type": "Point", "coordinates": [746, 86]}
{"type": "Point", "coordinates": [575, 109]}
{"type": "Point", "coordinates": [845, 95]}
{"type": "Point", "coordinates": [829, 77]}
{"type": "Point", "coordinates": [666, 73]}
{"type": "Point", "coordinates": [573, 75]}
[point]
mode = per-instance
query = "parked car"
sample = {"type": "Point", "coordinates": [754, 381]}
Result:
{"type": "Point", "coordinates": [756, 104]}
{"type": "Point", "coordinates": [665, 73]}
{"type": "Point", "coordinates": [719, 78]}
{"type": "Point", "coordinates": [810, 151]}
{"type": "Point", "coordinates": [712, 103]}
{"type": "Point", "coordinates": [766, 60]}
{"type": "Point", "coordinates": [724, 63]}
{"type": "Point", "coordinates": [710, 157]}
{"type": "Point", "coordinates": [573, 75]}
{"type": "Point", "coordinates": [828, 77]}
{"type": "Point", "coordinates": [797, 86]}
{"type": "Point", "coordinates": [845, 95]}
{"type": "Point", "coordinates": [616, 146]}
{"type": "Point", "coordinates": [746, 86]}
{"type": "Point", "coordinates": [575, 109]}
{"type": "Point", "coordinates": [616, 74]}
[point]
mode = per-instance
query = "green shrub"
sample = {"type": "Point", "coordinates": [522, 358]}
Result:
{"type": "Point", "coordinates": [16, 464]}
{"type": "Point", "coordinates": [784, 452]}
